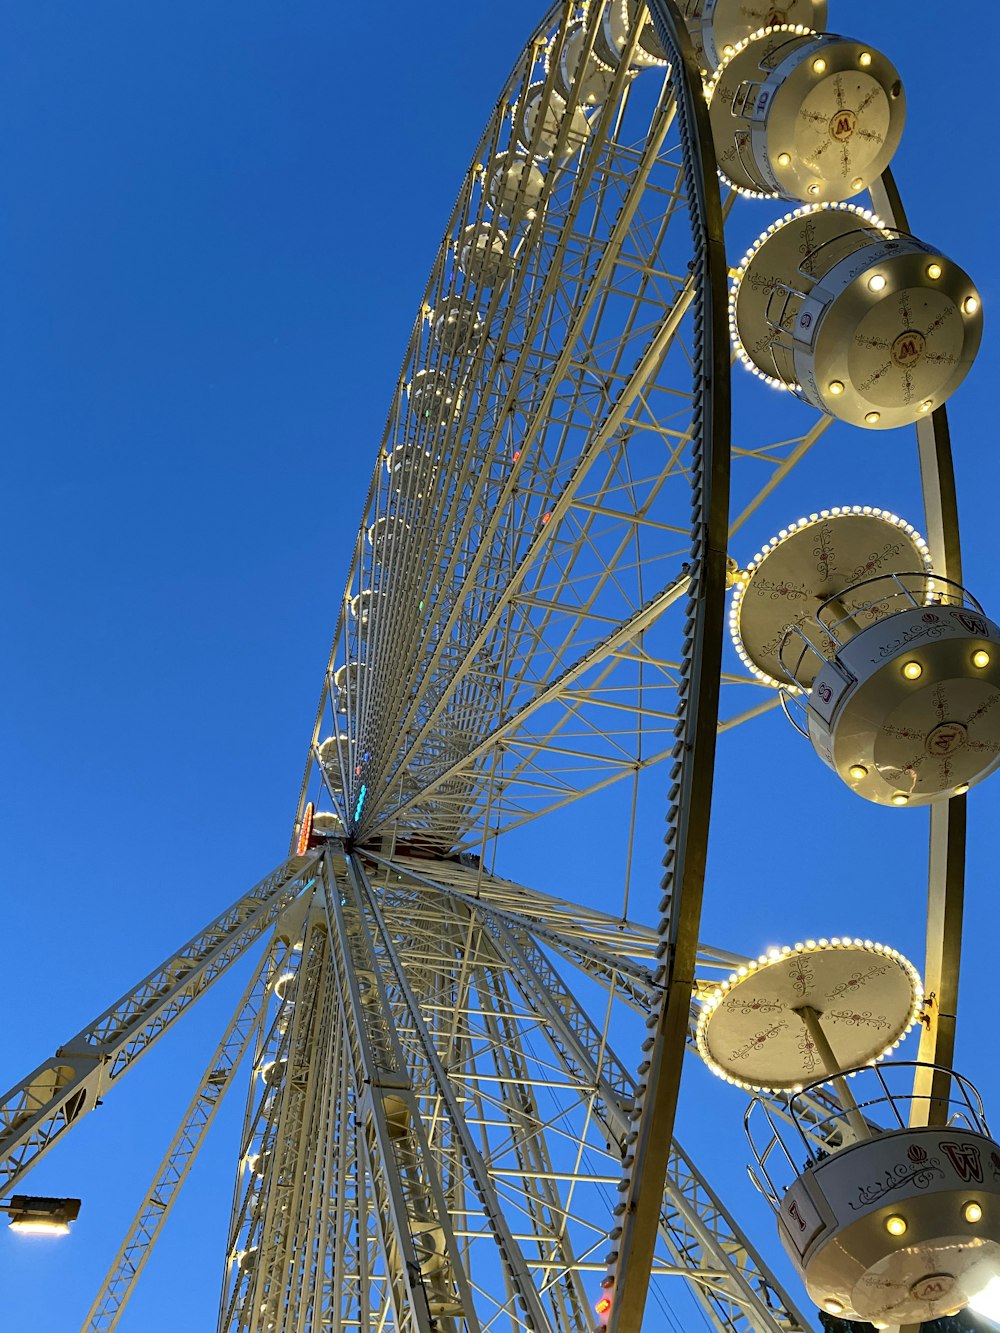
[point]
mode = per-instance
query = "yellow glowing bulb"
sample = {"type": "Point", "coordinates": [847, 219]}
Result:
{"type": "Point", "coordinates": [728, 50]}
{"type": "Point", "coordinates": [832, 1307]}
{"type": "Point", "coordinates": [858, 771]}
{"type": "Point", "coordinates": [926, 405]}
{"type": "Point", "coordinates": [900, 798]}
{"type": "Point", "coordinates": [934, 271]}
{"type": "Point", "coordinates": [970, 305]}
{"type": "Point", "coordinates": [913, 671]}
{"type": "Point", "coordinates": [865, 59]}
{"type": "Point", "coordinates": [784, 159]}
{"type": "Point", "coordinates": [895, 1225]}
{"type": "Point", "coordinates": [836, 386]}
{"type": "Point", "coordinates": [980, 658]}
{"type": "Point", "coordinates": [961, 789]}
{"type": "Point", "coordinates": [876, 282]}
{"type": "Point", "coordinates": [972, 1211]}
{"type": "Point", "coordinates": [819, 65]}
{"type": "Point", "coordinates": [871, 418]}
{"type": "Point", "coordinates": [857, 183]}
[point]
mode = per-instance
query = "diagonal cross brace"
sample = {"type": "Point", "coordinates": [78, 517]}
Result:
{"type": "Point", "coordinates": [39, 1109]}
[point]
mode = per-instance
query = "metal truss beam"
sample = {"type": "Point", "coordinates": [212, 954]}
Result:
{"type": "Point", "coordinates": [413, 1216]}
{"type": "Point", "coordinates": [215, 1082]}
{"type": "Point", "coordinates": [690, 795]}
{"type": "Point", "coordinates": [727, 1276]}
{"type": "Point", "coordinates": [39, 1109]}
{"type": "Point", "coordinates": [524, 1291]}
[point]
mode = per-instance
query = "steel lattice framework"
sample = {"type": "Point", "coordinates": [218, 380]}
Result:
{"type": "Point", "coordinates": [462, 1087]}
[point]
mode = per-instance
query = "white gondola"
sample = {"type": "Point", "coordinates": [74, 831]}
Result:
{"type": "Point", "coordinates": [435, 399]}
{"type": "Point", "coordinates": [896, 668]}
{"type": "Point", "coordinates": [484, 255]}
{"type": "Point", "coordinates": [458, 326]}
{"type": "Point", "coordinates": [515, 187]}
{"type": "Point", "coordinates": [864, 322]}
{"type": "Point", "coordinates": [540, 126]}
{"type": "Point", "coordinates": [718, 26]}
{"type": "Point", "coordinates": [805, 115]}
{"type": "Point", "coordinates": [577, 76]}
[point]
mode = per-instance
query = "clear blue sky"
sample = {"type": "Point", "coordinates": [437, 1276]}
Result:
{"type": "Point", "coordinates": [216, 225]}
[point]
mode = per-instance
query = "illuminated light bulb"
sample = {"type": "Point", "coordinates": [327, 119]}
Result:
{"type": "Point", "coordinates": [784, 159]}
{"type": "Point", "coordinates": [814, 188]}
{"type": "Point", "coordinates": [980, 658]}
{"type": "Point", "coordinates": [872, 417]}
{"type": "Point", "coordinates": [819, 67]}
{"type": "Point", "coordinates": [970, 305]}
{"type": "Point", "coordinates": [857, 183]}
{"type": "Point", "coordinates": [926, 405]}
{"type": "Point", "coordinates": [603, 1305]}
{"type": "Point", "coordinates": [972, 1211]}
{"type": "Point", "coordinates": [934, 271]}
{"type": "Point", "coordinates": [913, 670]}
{"type": "Point", "coordinates": [865, 59]}
{"type": "Point", "coordinates": [835, 387]}
{"type": "Point", "coordinates": [832, 1307]}
{"type": "Point", "coordinates": [858, 771]}
{"type": "Point", "coordinates": [900, 798]}
{"type": "Point", "coordinates": [895, 1225]}
{"type": "Point", "coordinates": [876, 282]}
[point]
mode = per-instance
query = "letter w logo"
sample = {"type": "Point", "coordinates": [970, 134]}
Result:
{"type": "Point", "coordinates": [965, 1158]}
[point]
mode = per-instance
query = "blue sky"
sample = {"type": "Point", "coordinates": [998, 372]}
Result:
{"type": "Point", "coordinates": [216, 226]}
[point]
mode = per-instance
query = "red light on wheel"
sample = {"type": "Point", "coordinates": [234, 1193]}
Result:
{"type": "Point", "coordinates": [603, 1305]}
{"type": "Point", "coordinates": [305, 830]}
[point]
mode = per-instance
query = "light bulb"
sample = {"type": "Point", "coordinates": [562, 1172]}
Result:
{"type": "Point", "coordinates": [972, 1211]}
{"type": "Point", "coordinates": [980, 658]}
{"type": "Point", "coordinates": [858, 771]}
{"type": "Point", "coordinates": [836, 386]}
{"type": "Point", "coordinates": [872, 418]}
{"type": "Point", "coordinates": [970, 305]}
{"type": "Point", "coordinates": [865, 59]}
{"type": "Point", "coordinates": [784, 159]}
{"type": "Point", "coordinates": [900, 798]}
{"type": "Point", "coordinates": [895, 1225]}
{"type": "Point", "coordinates": [876, 282]}
{"type": "Point", "coordinates": [913, 670]}
{"type": "Point", "coordinates": [819, 65]}
{"type": "Point", "coordinates": [934, 271]}
{"type": "Point", "coordinates": [961, 789]}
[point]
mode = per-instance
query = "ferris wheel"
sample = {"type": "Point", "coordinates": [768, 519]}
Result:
{"type": "Point", "coordinates": [461, 1110]}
